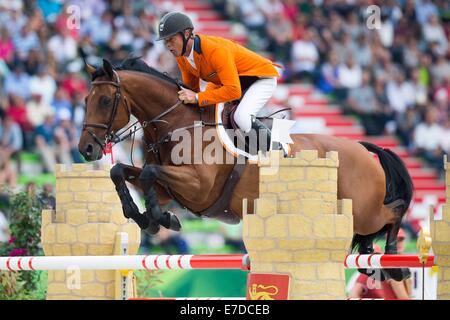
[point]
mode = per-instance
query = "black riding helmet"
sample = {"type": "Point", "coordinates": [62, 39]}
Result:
{"type": "Point", "coordinates": [173, 23]}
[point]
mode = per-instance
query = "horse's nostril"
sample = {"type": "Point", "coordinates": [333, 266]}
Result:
{"type": "Point", "coordinates": [89, 149]}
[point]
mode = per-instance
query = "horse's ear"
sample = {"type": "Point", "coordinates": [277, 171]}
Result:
{"type": "Point", "coordinates": [89, 69]}
{"type": "Point", "coordinates": [108, 68]}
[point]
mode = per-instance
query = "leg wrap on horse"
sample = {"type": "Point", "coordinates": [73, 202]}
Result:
{"type": "Point", "coordinates": [154, 212]}
{"type": "Point", "coordinates": [129, 208]}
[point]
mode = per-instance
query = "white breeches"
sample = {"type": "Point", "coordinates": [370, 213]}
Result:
{"type": "Point", "coordinates": [254, 99]}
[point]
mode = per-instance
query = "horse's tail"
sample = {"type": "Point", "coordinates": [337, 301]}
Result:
{"type": "Point", "coordinates": [399, 185]}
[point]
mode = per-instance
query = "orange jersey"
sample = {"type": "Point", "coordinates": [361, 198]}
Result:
{"type": "Point", "coordinates": [220, 62]}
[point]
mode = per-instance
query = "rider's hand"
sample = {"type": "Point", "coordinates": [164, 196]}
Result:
{"type": "Point", "coordinates": [187, 96]}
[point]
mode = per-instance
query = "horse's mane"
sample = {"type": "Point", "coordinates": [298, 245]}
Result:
{"type": "Point", "coordinates": [139, 65]}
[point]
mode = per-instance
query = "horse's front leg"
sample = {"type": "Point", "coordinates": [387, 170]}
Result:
{"type": "Point", "coordinates": [150, 173]}
{"type": "Point", "coordinates": [119, 174]}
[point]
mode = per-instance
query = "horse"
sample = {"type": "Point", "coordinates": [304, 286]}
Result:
{"type": "Point", "coordinates": [381, 190]}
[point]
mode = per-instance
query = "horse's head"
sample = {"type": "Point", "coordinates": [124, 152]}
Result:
{"type": "Point", "coordinates": [107, 111]}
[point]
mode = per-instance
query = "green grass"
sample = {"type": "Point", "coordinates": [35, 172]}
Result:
{"type": "Point", "coordinates": [39, 179]}
{"type": "Point", "coordinates": [29, 157]}
{"type": "Point", "coordinates": [191, 283]}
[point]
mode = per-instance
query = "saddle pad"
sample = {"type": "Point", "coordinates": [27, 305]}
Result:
{"type": "Point", "coordinates": [227, 142]}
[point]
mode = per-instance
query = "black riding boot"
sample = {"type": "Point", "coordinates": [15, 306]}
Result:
{"type": "Point", "coordinates": [259, 126]}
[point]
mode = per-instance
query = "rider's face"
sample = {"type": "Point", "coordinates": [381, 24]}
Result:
{"type": "Point", "coordinates": [174, 44]}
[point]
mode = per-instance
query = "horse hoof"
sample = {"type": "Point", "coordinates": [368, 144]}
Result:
{"type": "Point", "coordinates": [152, 229]}
{"type": "Point", "coordinates": [397, 274]}
{"type": "Point", "coordinates": [175, 223]}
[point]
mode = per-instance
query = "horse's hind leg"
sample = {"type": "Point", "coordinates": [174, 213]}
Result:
{"type": "Point", "coordinates": [119, 174]}
{"type": "Point", "coordinates": [147, 179]}
{"type": "Point", "coordinates": [391, 246]}
{"type": "Point", "coordinates": [365, 246]}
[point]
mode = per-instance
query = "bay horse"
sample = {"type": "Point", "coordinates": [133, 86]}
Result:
{"type": "Point", "coordinates": [381, 191]}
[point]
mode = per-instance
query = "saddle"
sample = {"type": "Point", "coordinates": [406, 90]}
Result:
{"type": "Point", "coordinates": [230, 124]}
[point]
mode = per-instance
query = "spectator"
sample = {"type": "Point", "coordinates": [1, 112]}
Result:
{"type": "Point", "coordinates": [63, 47]}
{"type": "Point", "coordinates": [411, 54]}
{"type": "Point", "coordinates": [7, 174]}
{"type": "Point", "coordinates": [362, 102]}
{"type": "Point", "coordinates": [126, 23]}
{"type": "Point", "coordinates": [441, 69]}
{"type": "Point", "coordinates": [47, 197]}
{"type": "Point", "coordinates": [43, 84]}
{"type": "Point", "coordinates": [352, 26]}
{"type": "Point", "coordinates": [425, 9]}
{"type": "Point", "coordinates": [14, 20]}
{"type": "Point", "coordinates": [78, 111]}
{"type": "Point", "coordinates": [433, 32]}
{"type": "Point", "coordinates": [329, 80]}
{"type": "Point", "coordinates": [400, 93]}
{"type": "Point", "coordinates": [272, 9]}
{"type": "Point", "coordinates": [279, 31]}
{"type": "Point", "coordinates": [6, 46]}
{"type": "Point", "coordinates": [18, 82]}
{"type": "Point", "coordinates": [73, 82]}
{"type": "Point", "coordinates": [100, 30]}
{"type": "Point", "coordinates": [24, 41]}
{"type": "Point", "coordinates": [299, 27]}
{"type": "Point", "coordinates": [66, 138]}
{"type": "Point", "coordinates": [427, 140]}
{"type": "Point", "coordinates": [61, 102]}
{"type": "Point", "coordinates": [406, 124]}
{"type": "Point", "coordinates": [18, 112]}
{"type": "Point", "coordinates": [445, 138]}
{"type": "Point", "coordinates": [424, 69]}
{"type": "Point", "coordinates": [252, 17]}
{"type": "Point", "coordinates": [344, 47]}
{"type": "Point", "coordinates": [290, 9]}
{"type": "Point", "coordinates": [11, 139]}
{"type": "Point", "coordinates": [38, 110]}
{"type": "Point", "coordinates": [45, 144]}
{"type": "Point", "coordinates": [420, 92]}
{"type": "Point", "coordinates": [349, 76]}
{"type": "Point", "coordinates": [33, 62]}
{"type": "Point", "coordinates": [362, 51]}
{"type": "Point", "coordinates": [305, 57]}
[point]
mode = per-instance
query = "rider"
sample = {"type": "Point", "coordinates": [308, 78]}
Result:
{"type": "Point", "coordinates": [232, 71]}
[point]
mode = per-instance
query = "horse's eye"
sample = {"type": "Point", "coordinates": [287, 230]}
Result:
{"type": "Point", "coordinates": [105, 101]}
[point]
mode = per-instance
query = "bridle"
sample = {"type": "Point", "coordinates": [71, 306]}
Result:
{"type": "Point", "coordinates": [109, 135]}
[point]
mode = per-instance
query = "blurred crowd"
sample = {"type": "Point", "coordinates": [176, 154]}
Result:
{"type": "Point", "coordinates": [42, 47]}
{"type": "Point", "coordinates": [389, 67]}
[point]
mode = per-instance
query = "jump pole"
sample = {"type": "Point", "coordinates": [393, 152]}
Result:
{"type": "Point", "coordinates": [387, 261]}
{"type": "Point", "coordinates": [138, 262]}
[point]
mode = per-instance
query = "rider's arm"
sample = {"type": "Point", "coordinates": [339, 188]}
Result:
{"type": "Point", "coordinates": [223, 63]}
